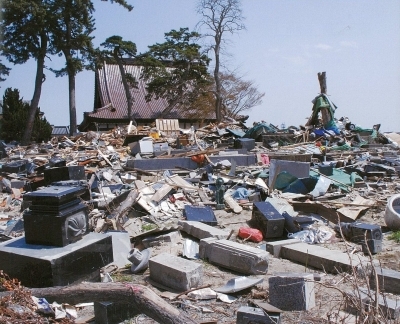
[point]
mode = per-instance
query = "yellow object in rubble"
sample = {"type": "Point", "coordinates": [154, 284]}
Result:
{"type": "Point", "coordinates": [154, 135]}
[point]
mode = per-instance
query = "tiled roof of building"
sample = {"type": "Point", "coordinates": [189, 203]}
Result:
{"type": "Point", "coordinates": [114, 104]}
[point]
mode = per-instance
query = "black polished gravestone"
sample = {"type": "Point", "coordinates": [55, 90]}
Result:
{"type": "Point", "coordinates": [54, 195]}
{"type": "Point", "coordinates": [56, 229]}
{"type": "Point", "coordinates": [57, 249]}
{"type": "Point", "coordinates": [55, 217]}
{"type": "Point", "coordinates": [267, 219]}
{"type": "Point", "coordinates": [203, 214]}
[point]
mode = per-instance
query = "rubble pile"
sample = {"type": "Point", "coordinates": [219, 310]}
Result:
{"type": "Point", "coordinates": [258, 204]}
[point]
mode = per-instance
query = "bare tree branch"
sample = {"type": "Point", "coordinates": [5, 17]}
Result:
{"type": "Point", "coordinates": [220, 17]}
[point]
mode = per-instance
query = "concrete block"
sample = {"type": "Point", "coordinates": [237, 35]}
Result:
{"type": "Point", "coordinates": [47, 266]}
{"type": "Point", "coordinates": [186, 162]}
{"type": "Point", "coordinates": [274, 248]}
{"type": "Point", "coordinates": [234, 256]}
{"type": "Point", "coordinates": [18, 184]}
{"type": "Point", "coordinates": [300, 157]}
{"type": "Point", "coordinates": [170, 238]}
{"type": "Point", "coordinates": [389, 280]}
{"type": "Point", "coordinates": [113, 313]}
{"type": "Point", "coordinates": [322, 258]}
{"type": "Point", "coordinates": [121, 244]}
{"type": "Point", "coordinates": [162, 163]}
{"type": "Point", "coordinates": [201, 230]}
{"type": "Point", "coordinates": [292, 291]}
{"type": "Point", "coordinates": [175, 272]}
{"type": "Point", "coordinates": [389, 308]}
{"type": "Point", "coordinates": [255, 315]}
{"type": "Point", "coordinates": [240, 159]}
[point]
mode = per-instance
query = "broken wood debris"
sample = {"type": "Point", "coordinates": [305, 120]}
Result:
{"type": "Point", "coordinates": [146, 193]}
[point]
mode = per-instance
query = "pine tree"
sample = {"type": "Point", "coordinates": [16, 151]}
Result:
{"type": "Point", "coordinates": [15, 116]}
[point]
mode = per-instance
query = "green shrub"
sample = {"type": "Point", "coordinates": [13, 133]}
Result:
{"type": "Point", "coordinates": [15, 118]}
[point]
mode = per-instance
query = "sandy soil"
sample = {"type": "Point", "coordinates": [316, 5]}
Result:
{"type": "Point", "coordinates": [329, 290]}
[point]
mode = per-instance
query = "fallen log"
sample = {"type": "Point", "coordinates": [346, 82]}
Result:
{"type": "Point", "coordinates": [140, 297]}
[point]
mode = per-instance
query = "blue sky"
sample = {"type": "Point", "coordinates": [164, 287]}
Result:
{"type": "Point", "coordinates": [285, 44]}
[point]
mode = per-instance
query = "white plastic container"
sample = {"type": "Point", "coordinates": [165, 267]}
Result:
{"type": "Point", "coordinates": [392, 213]}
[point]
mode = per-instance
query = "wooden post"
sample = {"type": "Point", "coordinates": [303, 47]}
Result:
{"type": "Point", "coordinates": [325, 114]}
{"type": "Point", "coordinates": [322, 82]}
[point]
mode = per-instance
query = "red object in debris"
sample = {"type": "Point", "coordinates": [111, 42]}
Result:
{"type": "Point", "coordinates": [251, 234]}
{"type": "Point", "coordinates": [199, 158]}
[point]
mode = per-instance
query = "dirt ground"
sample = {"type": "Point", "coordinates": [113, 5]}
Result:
{"type": "Point", "coordinates": [329, 289]}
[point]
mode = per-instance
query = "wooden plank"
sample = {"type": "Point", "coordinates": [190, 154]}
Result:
{"type": "Point", "coordinates": [161, 193]}
{"type": "Point", "coordinates": [204, 197]}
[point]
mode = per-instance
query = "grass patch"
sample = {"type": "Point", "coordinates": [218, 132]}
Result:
{"type": "Point", "coordinates": [121, 277]}
{"type": "Point", "coordinates": [148, 227]}
{"type": "Point", "coordinates": [395, 236]}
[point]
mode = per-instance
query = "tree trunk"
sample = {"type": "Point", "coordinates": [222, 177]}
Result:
{"type": "Point", "coordinates": [72, 104]}
{"type": "Point", "coordinates": [37, 92]}
{"type": "Point", "coordinates": [167, 110]}
{"type": "Point", "coordinates": [218, 99]}
{"type": "Point", "coordinates": [128, 94]}
{"type": "Point", "coordinates": [142, 298]}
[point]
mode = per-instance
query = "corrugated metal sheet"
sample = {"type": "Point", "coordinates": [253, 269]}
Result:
{"type": "Point", "coordinates": [114, 103]}
{"type": "Point", "coordinates": [60, 131]}
{"type": "Point", "coordinates": [168, 126]}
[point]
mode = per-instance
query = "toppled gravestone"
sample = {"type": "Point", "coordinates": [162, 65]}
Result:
{"type": "Point", "coordinates": [234, 256]}
{"type": "Point", "coordinates": [201, 230]}
{"type": "Point", "coordinates": [388, 307]}
{"type": "Point", "coordinates": [175, 272]}
{"type": "Point", "coordinates": [292, 291]}
{"type": "Point", "coordinates": [249, 315]}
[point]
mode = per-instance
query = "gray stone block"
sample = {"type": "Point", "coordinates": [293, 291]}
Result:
{"type": "Point", "coordinates": [389, 280]}
{"type": "Point", "coordinates": [162, 163]}
{"type": "Point", "coordinates": [113, 313]}
{"type": "Point", "coordinates": [241, 160]}
{"type": "Point", "coordinates": [47, 266]}
{"type": "Point", "coordinates": [292, 291]}
{"type": "Point", "coordinates": [186, 162]}
{"type": "Point", "coordinates": [175, 272]}
{"type": "Point", "coordinates": [322, 258]}
{"type": "Point", "coordinates": [275, 247]}
{"type": "Point", "coordinates": [121, 243]}
{"type": "Point", "coordinates": [169, 238]}
{"type": "Point", "coordinates": [388, 308]}
{"type": "Point", "coordinates": [255, 315]}
{"type": "Point", "coordinates": [201, 230]}
{"type": "Point", "coordinates": [234, 256]}
{"type": "Point", "coordinates": [18, 184]}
